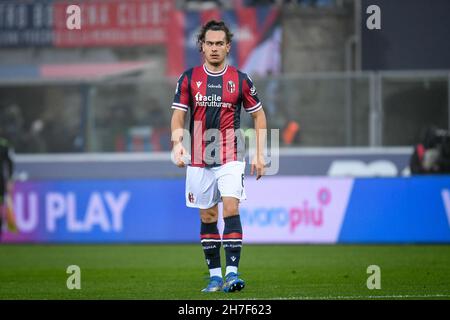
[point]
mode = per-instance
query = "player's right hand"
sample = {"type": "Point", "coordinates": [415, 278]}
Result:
{"type": "Point", "coordinates": [258, 166]}
{"type": "Point", "coordinates": [178, 153]}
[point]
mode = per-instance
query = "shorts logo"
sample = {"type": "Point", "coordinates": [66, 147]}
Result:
{"type": "Point", "coordinates": [231, 87]}
{"type": "Point", "coordinates": [191, 197]}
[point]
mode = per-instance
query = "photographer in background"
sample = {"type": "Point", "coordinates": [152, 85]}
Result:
{"type": "Point", "coordinates": [432, 154]}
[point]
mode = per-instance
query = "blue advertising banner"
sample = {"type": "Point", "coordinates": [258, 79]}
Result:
{"type": "Point", "coordinates": [103, 211]}
{"type": "Point", "coordinates": [398, 210]}
{"type": "Point", "coordinates": [277, 210]}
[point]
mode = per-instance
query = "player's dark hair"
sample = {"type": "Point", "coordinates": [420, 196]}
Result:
{"type": "Point", "coordinates": [214, 26]}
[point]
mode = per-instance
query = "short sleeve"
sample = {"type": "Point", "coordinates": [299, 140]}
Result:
{"type": "Point", "coordinates": [250, 98]}
{"type": "Point", "coordinates": [181, 98]}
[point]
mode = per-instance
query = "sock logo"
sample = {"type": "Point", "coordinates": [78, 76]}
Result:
{"type": "Point", "coordinates": [208, 261]}
{"type": "Point", "coordinates": [233, 258]}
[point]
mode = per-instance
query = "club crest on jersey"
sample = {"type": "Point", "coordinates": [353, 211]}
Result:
{"type": "Point", "coordinates": [198, 83]}
{"type": "Point", "coordinates": [231, 87]}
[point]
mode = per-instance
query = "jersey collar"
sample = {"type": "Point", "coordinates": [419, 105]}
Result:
{"type": "Point", "coordinates": [215, 74]}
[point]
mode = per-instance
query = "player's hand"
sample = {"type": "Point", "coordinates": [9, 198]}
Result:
{"type": "Point", "coordinates": [179, 152]}
{"type": "Point", "coordinates": [257, 166]}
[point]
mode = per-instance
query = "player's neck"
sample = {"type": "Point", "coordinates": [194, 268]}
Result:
{"type": "Point", "coordinates": [215, 68]}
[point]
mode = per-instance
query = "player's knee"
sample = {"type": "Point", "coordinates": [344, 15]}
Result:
{"type": "Point", "coordinates": [230, 208]}
{"type": "Point", "coordinates": [209, 215]}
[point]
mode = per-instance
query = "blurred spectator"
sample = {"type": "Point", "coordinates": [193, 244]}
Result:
{"type": "Point", "coordinates": [432, 154]}
{"type": "Point", "coordinates": [34, 141]}
{"type": "Point", "coordinates": [12, 123]}
{"type": "Point", "coordinates": [290, 133]}
{"type": "Point", "coordinates": [6, 183]}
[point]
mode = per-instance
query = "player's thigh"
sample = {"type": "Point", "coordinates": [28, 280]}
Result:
{"type": "Point", "coordinates": [230, 180]}
{"type": "Point", "coordinates": [201, 188]}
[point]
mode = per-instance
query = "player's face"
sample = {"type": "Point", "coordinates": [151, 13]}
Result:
{"type": "Point", "coordinates": [215, 47]}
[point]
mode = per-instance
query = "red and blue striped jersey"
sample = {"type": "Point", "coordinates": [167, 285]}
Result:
{"type": "Point", "coordinates": [214, 101]}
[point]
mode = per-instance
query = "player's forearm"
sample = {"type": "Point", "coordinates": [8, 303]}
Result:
{"type": "Point", "coordinates": [261, 131]}
{"type": "Point", "coordinates": [177, 125]}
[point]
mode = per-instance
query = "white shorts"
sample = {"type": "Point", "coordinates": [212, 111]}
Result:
{"type": "Point", "coordinates": [205, 187]}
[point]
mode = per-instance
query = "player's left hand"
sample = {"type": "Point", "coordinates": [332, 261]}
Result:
{"type": "Point", "coordinates": [257, 165]}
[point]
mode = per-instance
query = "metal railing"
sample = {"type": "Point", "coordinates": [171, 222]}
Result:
{"type": "Point", "coordinates": [332, 109]}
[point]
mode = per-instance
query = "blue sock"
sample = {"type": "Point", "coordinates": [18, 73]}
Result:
{"type": "Point", "coordinates": [211, 242]}
{"type": "Point", "coordinates": [232, 242]}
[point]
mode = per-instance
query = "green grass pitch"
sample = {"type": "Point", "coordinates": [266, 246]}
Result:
{"type": "Point", "coordinates": [270, 271]}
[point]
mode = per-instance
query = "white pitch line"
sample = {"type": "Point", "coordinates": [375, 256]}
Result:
{"type": "Point", "coordinates": [366, 297]}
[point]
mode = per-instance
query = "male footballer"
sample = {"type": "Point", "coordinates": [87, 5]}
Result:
{"type": "Point", "coordinates": [213, 94]}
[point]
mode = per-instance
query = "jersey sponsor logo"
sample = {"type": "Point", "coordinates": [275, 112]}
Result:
{"type": "Point", "coordinates": [214, 86]}
{"type": "Point", "coordinates": [198, 83]}
{"type": "Point", "coordinates": [213, 100]}
{"type": "Point", "coordinates": [231, 87]}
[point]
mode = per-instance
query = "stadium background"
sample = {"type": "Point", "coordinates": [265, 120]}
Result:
{"type": "Point", "coordinates": [88, 113]}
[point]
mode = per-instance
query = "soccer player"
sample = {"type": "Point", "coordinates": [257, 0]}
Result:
{"type": "Point", "coordinates": [6, 172]}
{"type": "Point", "coordinates": [213, 94]}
